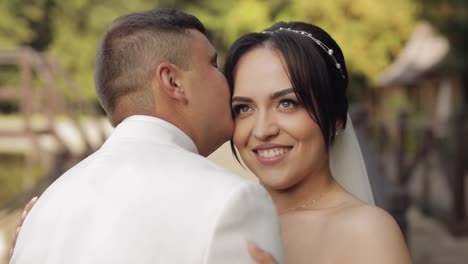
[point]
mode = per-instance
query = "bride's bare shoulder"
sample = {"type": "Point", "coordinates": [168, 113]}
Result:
{"type": "Point", "coordinates": [368, 234]}
{"type": "Point", "coordinates": [365, 217]}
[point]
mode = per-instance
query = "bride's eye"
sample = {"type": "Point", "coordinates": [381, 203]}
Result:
{"type": "Point", "coordinates": [287, 103]}
{"type": "Point", "coordinates": [241, 109]}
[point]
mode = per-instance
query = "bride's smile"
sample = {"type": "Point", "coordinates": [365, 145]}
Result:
{"type": "Point", "coordinates": [271, 154]}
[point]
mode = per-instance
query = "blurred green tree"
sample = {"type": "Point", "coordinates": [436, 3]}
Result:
{"type": "Point", "coordinates": [370, 32]}
{"type": "Point", "coordinates": [69, 30]}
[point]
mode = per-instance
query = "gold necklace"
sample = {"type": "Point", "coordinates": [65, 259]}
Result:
{"type": "Point", "coordinates": [308, 204]}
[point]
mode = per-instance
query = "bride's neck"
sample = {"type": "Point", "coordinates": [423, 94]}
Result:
{"type": "Point", "coordinates": [311, 187]}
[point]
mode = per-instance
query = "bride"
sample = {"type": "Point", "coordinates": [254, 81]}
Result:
{"type": "Point", "coordinates": [290, 109]}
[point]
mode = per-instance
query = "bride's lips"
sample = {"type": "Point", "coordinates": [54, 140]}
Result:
{"type": "Point", "coordinates": [270, 154]}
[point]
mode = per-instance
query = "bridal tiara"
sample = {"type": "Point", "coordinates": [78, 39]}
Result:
{"type": "Point", "coordinates": [318, 42]}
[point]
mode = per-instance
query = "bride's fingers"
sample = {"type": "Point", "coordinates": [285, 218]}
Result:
{"type": "Point", "coordinates": [26, 210]}
{"type": "Point", "coordinates": [25, 213]}
{"type": "Point", "coordinates": [259, 255]}
{"type": "Point", "coordinates": [13, 242]}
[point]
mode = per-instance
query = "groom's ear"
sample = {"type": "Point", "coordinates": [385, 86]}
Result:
{"type": "Point", "coordinates": [169, 80]}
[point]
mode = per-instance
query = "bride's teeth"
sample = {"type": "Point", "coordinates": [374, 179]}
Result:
{"type": "Point", "coordinates": [271, 153]}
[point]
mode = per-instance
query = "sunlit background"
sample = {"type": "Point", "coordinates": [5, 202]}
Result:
{"type": "Point", "coordinates": [408, 63]}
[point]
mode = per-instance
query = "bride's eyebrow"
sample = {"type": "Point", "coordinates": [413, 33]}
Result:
{"type": "Point", "coordinates": [241, 99]}
{"type": "Point", "coordinates": [281, 93]}
{"type": "Point", "coordinates": [275, 95]}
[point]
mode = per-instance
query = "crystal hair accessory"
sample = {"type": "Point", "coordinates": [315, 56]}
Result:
{"type": "Point", "coordinates": [318, 42]}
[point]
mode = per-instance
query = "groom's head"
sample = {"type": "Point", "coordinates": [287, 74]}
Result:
{"type": "Point", "coordinates": [132, 48]}
{"type": "Point", "coordinates": [160, 63]}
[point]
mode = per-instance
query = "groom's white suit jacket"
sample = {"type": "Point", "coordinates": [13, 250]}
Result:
{"type": "Point", "coordinates": [146, 196]}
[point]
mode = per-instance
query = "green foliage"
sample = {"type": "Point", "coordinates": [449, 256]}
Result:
{"type": "Point", "coordinates": [370, 32]}
{"type": "Point", "coordinates": [13, 29]}
{"type": "Point", "coordinates": [75, 28]}
{"type": "Point", "coordinates": [227, 20]}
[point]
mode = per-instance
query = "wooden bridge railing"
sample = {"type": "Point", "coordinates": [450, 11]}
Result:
{"type": "Point", "coordinates": [46, 126]}
{"type": "Point", "coordinates": [437, 167]}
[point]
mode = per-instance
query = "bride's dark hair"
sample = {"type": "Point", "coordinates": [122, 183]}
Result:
{"type": "Point", "coordinates": [318, 82]}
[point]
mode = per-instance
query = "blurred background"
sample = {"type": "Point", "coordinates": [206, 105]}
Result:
{"type": "Point", "coordinates": [408, 63]}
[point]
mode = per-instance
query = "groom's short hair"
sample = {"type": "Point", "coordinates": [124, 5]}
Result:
{"type": "Point", "coordinates": [135, 44]}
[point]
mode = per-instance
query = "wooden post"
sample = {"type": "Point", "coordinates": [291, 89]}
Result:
{"type": "Point", "coordinates": [401, 147]}
{"type": "Point", "coordinates": [26, 102]}
{"type": "Point", "coordinates": [458, 168]}
{"type": "Point", "coordinates": [398, 203]}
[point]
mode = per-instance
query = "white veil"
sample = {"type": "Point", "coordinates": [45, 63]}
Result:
{"type": "Point", "coordinates": [347, 165]}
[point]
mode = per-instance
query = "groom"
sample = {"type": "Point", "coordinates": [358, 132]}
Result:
{"type": "Point", "coordinates": [149, 195]}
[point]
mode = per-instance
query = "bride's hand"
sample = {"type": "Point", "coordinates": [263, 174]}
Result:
{"type": "Point", "coordinates": [25, 213]}
{"type": "Point", "coordinates": [259, 255]}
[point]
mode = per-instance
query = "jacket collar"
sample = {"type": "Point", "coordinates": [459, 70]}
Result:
{"type": "Point", "coordinates": [153, 129]}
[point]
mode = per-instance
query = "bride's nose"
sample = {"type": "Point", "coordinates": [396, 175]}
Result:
{"type": "Point", "coordinates": [265, 127]}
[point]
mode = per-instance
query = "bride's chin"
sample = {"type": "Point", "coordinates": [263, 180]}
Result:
{"type": "Point", "coordinates": [278, 186]}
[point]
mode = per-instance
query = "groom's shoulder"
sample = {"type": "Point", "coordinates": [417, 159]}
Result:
{"type": "Point", "coordinates": [213, 176]}
{"type": "Point", "coordinates": [207, 170]}
{"type": "Point", "coordinates": [195, 163]}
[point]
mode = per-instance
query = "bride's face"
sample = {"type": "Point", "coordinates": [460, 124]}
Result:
{"type": "Point", "coordinates": [275, 135]}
